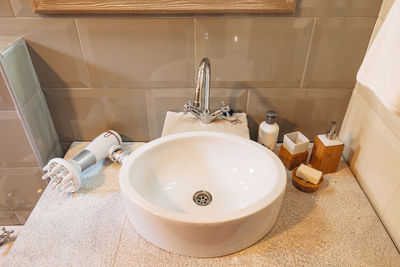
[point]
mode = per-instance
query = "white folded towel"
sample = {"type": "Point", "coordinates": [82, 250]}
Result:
{"type": "Point", "coordinates": [380, 70]}
{"type": "Point", "coordinates": [179, 123]}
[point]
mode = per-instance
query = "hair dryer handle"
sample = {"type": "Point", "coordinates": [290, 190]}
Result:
{"type": "Point", "coordinates": [102, 143]}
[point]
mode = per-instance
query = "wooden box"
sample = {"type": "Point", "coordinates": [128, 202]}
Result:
{"type": "Point", "coordinates": [325, 158]}
{"type": "Point", "coordinates": [290, 160]}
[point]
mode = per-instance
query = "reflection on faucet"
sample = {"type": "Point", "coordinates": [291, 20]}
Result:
{"type": "Point", "coordinates": [201, 108]}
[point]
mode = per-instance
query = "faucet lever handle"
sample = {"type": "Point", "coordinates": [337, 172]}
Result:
{"type": "Point", "coordinates": [5, 236]}
{"type": "Point", "coordinates": [225, 109]}
{"type": "Point", "coordinates": [187, 107]}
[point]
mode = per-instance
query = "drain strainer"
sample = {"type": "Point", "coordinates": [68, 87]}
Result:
{"type": "Point", "coordinates": [202, 198]}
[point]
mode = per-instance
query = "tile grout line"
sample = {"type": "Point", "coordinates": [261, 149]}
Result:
{"type": "Point", "coordinates": [12, 9]}
{"type": "Point", "coordinates": [248, 101]}
{"type": "Point", "coordinates": [148, 112]}
{"type": "Point", "coordinates": [83, 53]}
{"type": "Point", "coordinates": [390, 201]}
{"type": "Point", "coordinates": [119, 241]}
{"type": "Point", "coordinates": [308, 52]}
{"type": "Point", "coordinates": [195, 47]}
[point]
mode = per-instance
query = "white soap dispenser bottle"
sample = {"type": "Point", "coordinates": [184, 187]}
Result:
{"type": "Point", "coordinates": [268, 131]}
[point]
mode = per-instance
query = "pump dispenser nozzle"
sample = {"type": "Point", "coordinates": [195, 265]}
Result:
{"type": "Point", "coordinates": [271, 115]}
{"type": "Point", "coordinates": [331, 133]}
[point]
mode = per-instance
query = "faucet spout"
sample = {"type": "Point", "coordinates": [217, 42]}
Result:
{"type": "Point", "coordinates": [203, 83]}
{"type": "Point", "coordinates": [200, 106]}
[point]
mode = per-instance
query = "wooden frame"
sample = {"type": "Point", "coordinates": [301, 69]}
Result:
{"type": "Point", "coordinates": [162, 6]}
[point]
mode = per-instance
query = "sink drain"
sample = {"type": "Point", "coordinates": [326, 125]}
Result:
{"type": "Point", "coordinates": [202, 198]}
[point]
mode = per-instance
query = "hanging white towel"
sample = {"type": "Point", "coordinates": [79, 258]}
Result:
{"type": "Point", "coordinates": [380, 70]}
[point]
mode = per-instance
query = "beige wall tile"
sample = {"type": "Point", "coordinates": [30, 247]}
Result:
{"type": "Point", "coordinates": [5, 9]}
{"type": "Point", "coordinates": [82, 114]}
{"type": "Point", "coordinates": [20, 189]}
{"type": "Point", "coordinates": [132, 52]}
{"type": "Point", "coordinates": [7, 40]}
{"type": "Point", "coordinates": [54, 48]}
{"type": "Point", "coordinates": [307, 110]}
{"type": "Point", "coordinates": [373, 152]}
{"type": "Point", "coordinates": [162, 100]}
{"type": "Point", "coordinates": [254, 52]}
{"type": "Point", "coordinates": [22, 216]}
{"type": "Point", "coordinates": [15, 148]}
{"type": "Point", "coordinates": [65, 146]}
{"type": "Point", "coordinates": [40, 125]}
{"type": "Point", "coordinates": [5, 98]}
{"type": "Point", "coordinates": [23, 8]}
{"type": "Point", "coordinates": [8, 218]}
{"type": "Point", "coordinates": [21, 76]}
{"type": "Point", "coordinates": [337, 50]}
{"type": "Point", "coordinates": [391, 217]}
{"type": "Point", "coordinates": [338, 8]}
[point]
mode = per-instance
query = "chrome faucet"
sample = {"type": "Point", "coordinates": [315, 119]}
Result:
{"type": "Point", "coordinates": [201, 107]}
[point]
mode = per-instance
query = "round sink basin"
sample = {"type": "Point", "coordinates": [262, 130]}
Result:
{"type": "Point", "coordinates": [202, 194]}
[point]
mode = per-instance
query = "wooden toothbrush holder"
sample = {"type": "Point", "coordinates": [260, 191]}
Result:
{"type": "Point", "coordinates": [290, 160]}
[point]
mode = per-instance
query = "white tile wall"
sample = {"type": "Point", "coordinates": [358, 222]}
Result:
{"type": "Point", "coordinates": [373, 152]}
{"type": "Point", "coordinates": [372, 138]}
{"type": "Point", "coordinates": [391, 217]}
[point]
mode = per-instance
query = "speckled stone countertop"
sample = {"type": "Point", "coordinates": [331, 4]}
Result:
{"type": "Point", "coordinates": [335, 226]}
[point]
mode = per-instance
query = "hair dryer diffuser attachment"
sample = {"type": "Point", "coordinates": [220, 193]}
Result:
{"type": "Point", "coordinates": [65, 174]}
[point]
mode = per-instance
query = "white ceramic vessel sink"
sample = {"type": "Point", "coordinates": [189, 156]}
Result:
{"type": "Point", "coordinates": [246, 182]}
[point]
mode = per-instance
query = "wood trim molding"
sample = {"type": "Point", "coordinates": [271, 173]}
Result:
{"type": "Point", "coordinates": [162, 6]}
